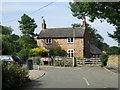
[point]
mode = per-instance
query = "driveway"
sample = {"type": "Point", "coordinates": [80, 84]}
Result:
{"type": "Point", "coordinates": [74, 77]}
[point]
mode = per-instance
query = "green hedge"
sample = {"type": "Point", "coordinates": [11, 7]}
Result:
{"type": "Point", "coordinates": [58, 63]}
{"type": "Point", "coordinates": [13, 75]}
{"type": "Point", "coordinates": [104, 59]}
{"type": "Point", "coordinates": [38, 61]}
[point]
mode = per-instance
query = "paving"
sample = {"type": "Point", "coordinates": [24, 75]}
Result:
{"type": "Point", "coordinates": [70, 77]}
{"type": "Point", "coordinates": [36, 74]}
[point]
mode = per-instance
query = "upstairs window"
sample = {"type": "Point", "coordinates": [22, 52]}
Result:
{"type": "Point", "coordinates": [70, 53]}
{"type": "Point", "coordinates": [70, 40]}
{"type": "Point", "coordinates": [48, 40]}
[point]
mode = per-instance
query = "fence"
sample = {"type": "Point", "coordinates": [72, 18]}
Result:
{"type": "Point", "coordinates": [64, 61]}
{"type": "Point", "coordinates": [83, 61]}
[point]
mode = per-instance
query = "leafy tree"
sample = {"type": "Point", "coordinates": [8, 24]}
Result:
{"type": "Point", "coordinates": [9, 40]}
{"type": "Point", "coordinates": [27, 25]}
{"type": "Point", "coordinates": [113, 50]}
{"type": "Point", "coordinates": [102, 10]}
{"type": "Point", "coordinates": [4, 30]}
{"type": "Point", "coordinates": [7, 47]}
{"type": "Point", "coordinates": [27, 42]}
{"type": "Point", "coordinates": [76, 25]}
{"type": "Point", "coordinates": [24, 54]}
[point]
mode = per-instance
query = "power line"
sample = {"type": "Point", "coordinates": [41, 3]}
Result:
{"type": "Point", "coordinates": [30, 13]}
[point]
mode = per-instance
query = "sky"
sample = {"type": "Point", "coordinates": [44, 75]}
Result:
{"type": "Point", "coordinates": [56, 15]}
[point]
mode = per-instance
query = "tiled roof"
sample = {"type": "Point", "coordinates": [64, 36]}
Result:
{"type": "Point", "coordinates": [61, 32]}
{"type": "Point", "coordinates": [94, 50]}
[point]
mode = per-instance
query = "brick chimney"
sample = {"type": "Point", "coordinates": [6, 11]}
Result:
{"type": "Point", "coordinates": [43, 25]}
{"type": "Point", "coordinates": [84, 23]}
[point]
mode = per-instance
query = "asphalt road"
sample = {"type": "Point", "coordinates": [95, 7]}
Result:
{"type": "Point", "coordinates": [69, 77]}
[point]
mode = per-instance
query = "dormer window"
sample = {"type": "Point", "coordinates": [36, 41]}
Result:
{"type": "Point", "coordinates": [70, 40]}
{"type": "Point", "coordinates": [48, 40]}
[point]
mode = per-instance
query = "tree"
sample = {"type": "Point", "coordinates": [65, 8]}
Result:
{"type": "Point", "coordinates": [102, 10]}
{"type": "Point", "coordinates": [27, 42]}
{"type": "Point", "coordinates": [24, 54]}
{"type": "Point", "coordinates": [27, 25]}
{"type": "Point", "coordinates": [9, 41]}
{"type": "Point", "coordinates": [113, 50]}
{"type": "Point", "coordinates": [4, 30]}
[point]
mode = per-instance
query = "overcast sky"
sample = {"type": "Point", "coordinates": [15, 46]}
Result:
{"type": "Point", "coordinates": [56, 15]}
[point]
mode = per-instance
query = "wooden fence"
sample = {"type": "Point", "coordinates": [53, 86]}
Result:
{"type": "Point", "coordinates": [83, 61]}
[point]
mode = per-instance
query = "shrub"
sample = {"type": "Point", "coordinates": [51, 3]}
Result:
{"type": "Point", "coordinates": [13, 75]}
{"type": "Point", "coordinates": [24, 54]}
{"type": "Point", "coordinates": [58, 63]}
{"type": "Point", "coordinates": [104, 59]}
{"type": "Point", "coordinates": [38, 52]}
{"type": "Point", "coordinates": [38, 61]}
{"type": "Point", "coordinates": [57, 52]}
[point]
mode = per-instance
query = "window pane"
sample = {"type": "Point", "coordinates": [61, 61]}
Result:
{"type": "Point", "coordinates": [68, 39]}
{"type": "Point", "coordinates": [49, 40]}
{"type": "Point", "coordinates": [68, 54]}
{"type": "Point", "coordinates": [71, 54]}
{"type": "Point", "coordinates": [71, 39]}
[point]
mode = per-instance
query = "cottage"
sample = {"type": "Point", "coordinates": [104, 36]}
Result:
{"type": "Point", "coordinates": [73, 40]}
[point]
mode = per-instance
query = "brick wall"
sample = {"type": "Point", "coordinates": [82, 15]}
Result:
{"type": "Point", "coordinates": [62, 44]}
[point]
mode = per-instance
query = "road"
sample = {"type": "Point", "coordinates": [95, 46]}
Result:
{"type": "Point", "coordinates": [74, 77]}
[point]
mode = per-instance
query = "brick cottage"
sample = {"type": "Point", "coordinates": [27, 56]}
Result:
{"type": "Point", "coordinates": [73, 40]}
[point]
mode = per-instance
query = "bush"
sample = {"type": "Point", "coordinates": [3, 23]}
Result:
{"type": "Point", "coordinates": [24, 54]}
{"type": "Point", "coordinates": [13, 75]}
{"type": "Point", "coordinates": [104, 59]}
{"type": "Point", "coordinates": [38, 52]}
{"type": "Point", "coordinates": [58, 63]}
{"type": "Point", "coordinates": [38, 61]}
{"type": "Point", "coordinates": [57, 52]}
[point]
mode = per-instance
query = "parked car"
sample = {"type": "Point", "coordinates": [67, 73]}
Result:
{"type": "Point", "coordinates": [10, 58]}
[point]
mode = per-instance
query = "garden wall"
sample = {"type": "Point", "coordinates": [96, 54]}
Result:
{"type": "Point", "coordinates": [113, 60]}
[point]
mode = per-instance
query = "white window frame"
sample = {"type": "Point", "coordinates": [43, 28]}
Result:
{"type": "Point", "coordinates": [69, 40]}
{"type": "Point", "coordinates": [48, 40]}
{"type": "Point", "coordinates": [70, 51]}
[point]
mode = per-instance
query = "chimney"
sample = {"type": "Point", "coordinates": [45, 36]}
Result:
{"type": "Point", "coordinates": [84, 23]}
{"type": "Point", "coordinates": [43, 25]}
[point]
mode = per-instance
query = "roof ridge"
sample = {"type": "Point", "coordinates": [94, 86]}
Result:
{"type": "Point", "coordinates": [62, 28]}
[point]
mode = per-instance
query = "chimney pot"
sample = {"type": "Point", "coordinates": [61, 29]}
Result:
{"type": "Point", "coordinates": [43, 25]}
{"type": "Point", "coordinates": [84, 23]}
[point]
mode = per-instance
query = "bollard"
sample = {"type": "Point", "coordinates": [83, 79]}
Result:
{"type": "Point", "coordinates": [38, 67]}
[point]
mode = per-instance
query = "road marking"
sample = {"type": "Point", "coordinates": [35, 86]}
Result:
{"type": "Point", "coordinates": [86, 81]}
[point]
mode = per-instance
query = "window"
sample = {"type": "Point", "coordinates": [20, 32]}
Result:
{"type": "Point", "coordinates": [70, 40]}
{"type": "Point", "coordinates": [48, 40]}
{"type": "Point", "coordinates": [70, 53]}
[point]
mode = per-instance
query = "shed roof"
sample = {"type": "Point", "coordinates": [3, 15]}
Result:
{"type": "Point", "coordinates": [94, 49]}
{"type": "Point", "coordinates": [61, 32]}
